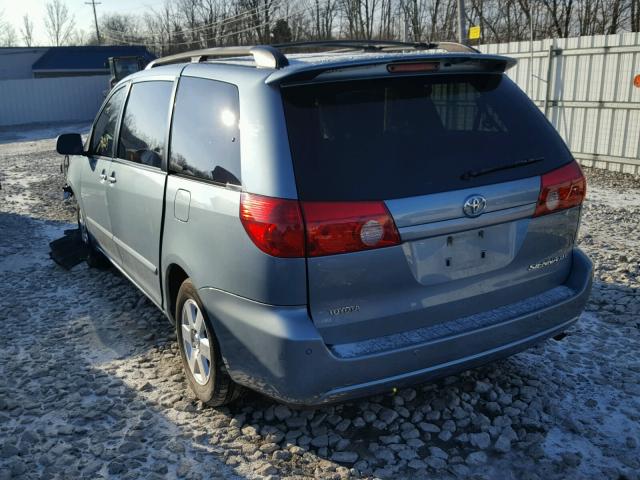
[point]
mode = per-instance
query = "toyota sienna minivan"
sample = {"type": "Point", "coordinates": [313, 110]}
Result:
{"type": "Point", "coordinates": [321, 226]}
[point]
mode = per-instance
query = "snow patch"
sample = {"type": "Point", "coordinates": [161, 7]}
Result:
{"type": "Point", "coordinates": [612, 198]}
{"type": "Point", "coordinates": [34, 132]}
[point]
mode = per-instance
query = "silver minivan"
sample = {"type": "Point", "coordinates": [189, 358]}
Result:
{"type": "Point", "coordinates": [321, 226]}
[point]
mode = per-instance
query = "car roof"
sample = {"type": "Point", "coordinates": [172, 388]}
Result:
{"type": "Point", "coordinates": [297, 65]}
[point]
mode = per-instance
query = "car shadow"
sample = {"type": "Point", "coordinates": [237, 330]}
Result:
{"type": "Point", "coordinates": [77, 396]}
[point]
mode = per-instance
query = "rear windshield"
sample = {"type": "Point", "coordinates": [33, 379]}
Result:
{"type": "Point", "coordinates": [382, 139]}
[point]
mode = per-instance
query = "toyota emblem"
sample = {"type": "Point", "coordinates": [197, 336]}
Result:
{"type": "Point", "coordinates": [474, 205]}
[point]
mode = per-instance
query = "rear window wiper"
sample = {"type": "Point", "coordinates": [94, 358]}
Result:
{"type": "Point", "coordinates": [478, 173]}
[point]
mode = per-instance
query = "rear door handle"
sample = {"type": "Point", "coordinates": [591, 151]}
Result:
{"type": "Point", "coordinates": [112, 178]}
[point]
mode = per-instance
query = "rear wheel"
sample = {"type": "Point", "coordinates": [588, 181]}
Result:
{"type": "Point", "coordinates": [200, 351]}
{"type": "Point", "coordinates": [95, 258]}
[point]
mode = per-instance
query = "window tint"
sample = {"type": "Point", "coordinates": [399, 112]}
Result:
{"type": "Point", "coordinates": [205, 137]}
{"type": "Point", "coordinates": [144, 125]}
{"type": "Point", "coordinates": [460, 107]}
{"type": "Point", "coordinates": [105, 127]}
{"type": "Point", "coordinates": [400, 137]}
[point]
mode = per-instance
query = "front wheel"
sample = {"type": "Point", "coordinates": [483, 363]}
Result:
{"type": "Point", "coordinates": [95, 258]}
{"type": "Point", "coordinates": [200, 351]}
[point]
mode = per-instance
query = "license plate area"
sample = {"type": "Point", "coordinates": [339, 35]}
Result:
{"type": "Point", "coordinates": [464, 254]}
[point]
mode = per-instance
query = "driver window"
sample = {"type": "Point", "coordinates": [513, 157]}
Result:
{"type": "Point", "coordinates": [105, 127]}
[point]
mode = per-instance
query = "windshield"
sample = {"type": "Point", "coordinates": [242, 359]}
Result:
{"type": "Point", "coordinates": [389, 138]}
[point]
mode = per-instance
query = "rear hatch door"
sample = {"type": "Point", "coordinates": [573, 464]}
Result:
{"type": "Point", "coordinates": [457, 160]}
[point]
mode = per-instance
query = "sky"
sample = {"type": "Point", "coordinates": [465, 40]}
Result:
{"type": "Point", "coordinates": [12, 12]}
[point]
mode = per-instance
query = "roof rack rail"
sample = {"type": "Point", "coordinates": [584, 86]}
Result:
{"type": "Point", "coordinates": [265, 56]}
{"type": "Point", "coordinates": [270, 56]}
{"type": "Point", "coordinates": [366, 45]}
{"type": "Point", "coordinates": [455, 47]}
{"type": "Point", "coordinates": [380, 45]}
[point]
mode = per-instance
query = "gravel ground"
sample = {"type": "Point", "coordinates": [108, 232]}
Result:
{"type": "Point", "coordinates": [91, 383]}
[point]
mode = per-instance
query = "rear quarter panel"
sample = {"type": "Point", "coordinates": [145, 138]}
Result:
{"type": "Point", "coordinates": [211, 246]}
{"type": "Point", "coordinates": [208, 241]}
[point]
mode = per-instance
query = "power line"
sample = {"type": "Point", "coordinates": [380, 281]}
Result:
{"type": "Point", "coordinates": [253, 11]}
{"type": "Point", "coordinates": [300, 11]}
{"type": "Point", "coordinates": [168, 43]}
{"type": "Point", "coordinates": [93, 3]}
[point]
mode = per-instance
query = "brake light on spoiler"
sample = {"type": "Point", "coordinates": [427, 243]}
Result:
{"type": "Point", "coordinates": [289, 228]}
{"type": "Point", "coordinates": [560, 189]}
{"type": "Point", "coordinates": [413, 67]}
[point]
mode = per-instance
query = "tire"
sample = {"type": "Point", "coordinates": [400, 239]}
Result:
{"type": "Point", "coordinates": [95, 258]}
{"type": "Point", "coordinates": [207, 377]}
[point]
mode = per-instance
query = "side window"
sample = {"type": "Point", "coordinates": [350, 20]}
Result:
{"type": "Point", "coordinates": [144, 125]}
{"type": "Point", "coordinates": [205, 136]}
{"type": "Point", "coordinates": [105, 127]}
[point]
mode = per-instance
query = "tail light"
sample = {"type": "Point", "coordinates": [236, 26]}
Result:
{"type": "Point", "coordinates": [563, 188]}
{"type": "Point", "coordinates": [276, 226]}
{"type": "Point", "coordinates": [341, 227]}
{"type": "Point", "coordinates": [273, 224]}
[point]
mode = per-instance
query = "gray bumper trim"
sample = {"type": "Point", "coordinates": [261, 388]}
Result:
{"type": "Point", "coordinates": [454, 327]}
{"type": "Point", "coordinates": [279, 352]}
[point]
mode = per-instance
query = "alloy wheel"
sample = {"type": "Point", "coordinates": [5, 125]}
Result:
{"type": "Point", "coordinates": [196, 342]}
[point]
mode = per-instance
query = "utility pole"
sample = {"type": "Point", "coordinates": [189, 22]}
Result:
{"type": "Point", "coordinates": [462, 24]}
{"type": "Point", "coordinates": [93, 3]}
{"type": "Point", "coordinates": [406, 28]}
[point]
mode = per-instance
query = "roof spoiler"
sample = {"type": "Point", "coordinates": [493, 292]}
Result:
{"type": "Point", "coordinates": [463, 62]}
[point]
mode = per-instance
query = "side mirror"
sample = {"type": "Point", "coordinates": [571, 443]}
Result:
{"type": "Point", "coordinates": [70, 144]}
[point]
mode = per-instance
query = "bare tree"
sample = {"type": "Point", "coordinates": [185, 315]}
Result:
{"type": "Point", "coordinates": [8, 36]}
{"type": "Point", "coordinates": [260, 17]}
{"type": "Point", "coordinates": [360, 16]}
{"type": "Point", "coordinates": [80, 37]}
{"type": "Point", "coordinates": [560, 12]}
{"type": "Point", "coordinates": [187, 24]}
{"type": "Point", "coordinates": [26, 32]}
{"type": "Point", "coordinates": [433, 12]}
{"type": "Point", "coordinates": [613, 16]}
{"type": "Point", "coordinates": [299, 18]}
{"type": "Point", "coordinates": [367, 12]}
{"type": "Point", "coordinates": [58, 22]}
{"type": "Point", "coordinates": [415, 18]}
{"type": "Point", "coordinates": [322, 14]}
{"type": "Point", "coordinates": [635, 15]}
{"type": "Point", "coordinates": [189, 12]}
{"type": "Point", "coordinates": [120, 28]}
{"type": "Point", "coordinates": [213, 14]}
{"type": "Point", "coordinates": [159, 29]}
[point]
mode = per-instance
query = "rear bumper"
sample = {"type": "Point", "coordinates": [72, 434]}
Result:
{"type": "Point", "coordinates": [279, 352]}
